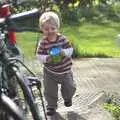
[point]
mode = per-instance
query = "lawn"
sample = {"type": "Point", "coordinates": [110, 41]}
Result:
{"type": "Point", "coordinates": [89, 39]}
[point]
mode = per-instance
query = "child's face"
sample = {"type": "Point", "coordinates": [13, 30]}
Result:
{"type": "Point", "coordinates": [49, 30]}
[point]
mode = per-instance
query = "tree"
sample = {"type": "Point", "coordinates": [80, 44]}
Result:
{"type": "Point", "coordinates": [24, 5]}
{"type": "Point", "coordinates": [63, 4]}
{"type": "Point", "coordinates": [86, 3]}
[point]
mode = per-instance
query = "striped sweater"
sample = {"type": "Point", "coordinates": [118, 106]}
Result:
{"type": "Point", "coordinates": [65, 64]}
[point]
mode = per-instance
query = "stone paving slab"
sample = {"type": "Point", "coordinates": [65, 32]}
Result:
{"type": "Point", "coordinates": [95, 77]}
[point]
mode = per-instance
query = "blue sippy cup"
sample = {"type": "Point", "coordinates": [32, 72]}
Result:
{"type": "Point", "coordinates": [55, 53]}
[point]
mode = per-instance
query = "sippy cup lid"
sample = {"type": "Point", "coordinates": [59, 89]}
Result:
{"type": "Point", "coordinates": [55, 51]}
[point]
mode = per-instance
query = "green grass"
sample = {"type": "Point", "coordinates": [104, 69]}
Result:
{"type": "Point", "coordinates": [27, 42]}
{"type": "Point", "coordinates": [94, 39]}
{"type": "Point", "coordinates": [89, 39]}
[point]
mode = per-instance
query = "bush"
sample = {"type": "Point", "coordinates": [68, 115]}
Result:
{"type": "Point", "coordinates": [70, 15]}
{"type": "Point", "coordinates": [111, 11]}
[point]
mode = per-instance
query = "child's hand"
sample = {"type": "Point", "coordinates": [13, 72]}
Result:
{"type": "Point", "coordinates": [62, 53]}
{"type": "Point", "coordinates": [49, 59]}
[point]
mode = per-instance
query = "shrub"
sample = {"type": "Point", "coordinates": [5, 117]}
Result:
{"type": "Point", "coordinates": [114, 109]}
{"type": "Point", "coordinates": [70, 15]}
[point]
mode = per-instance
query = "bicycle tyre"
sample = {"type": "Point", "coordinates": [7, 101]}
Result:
{"type": "Point", "coordinates": [27, 95]}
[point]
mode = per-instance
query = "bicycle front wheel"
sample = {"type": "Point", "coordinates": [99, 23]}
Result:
{"type": "Point", "coordinates": [28, 96]}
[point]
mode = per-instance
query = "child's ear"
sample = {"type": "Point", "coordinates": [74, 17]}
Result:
{"type": "Point", "coordinates": [57, 30]}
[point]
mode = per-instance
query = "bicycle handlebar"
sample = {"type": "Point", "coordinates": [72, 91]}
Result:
{"type": "Point", "coordinates": [17, 17]}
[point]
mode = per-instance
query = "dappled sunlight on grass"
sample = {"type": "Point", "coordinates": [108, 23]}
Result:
{"type": "Point", "coordinates": [27, 41]}
{"type": "Point", "coordinates": [88, 39]}
{"type": "Point", "coordinates": [94, 39]}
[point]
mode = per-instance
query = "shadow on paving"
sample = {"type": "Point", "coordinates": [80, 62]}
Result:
{"type": "Point", "coordinates": [69, 116]}
{"type": "Point", "coordinates": [74, 116]}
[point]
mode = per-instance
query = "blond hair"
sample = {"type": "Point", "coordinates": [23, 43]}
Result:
{"type": "Point", "coordinates": [51, 18]}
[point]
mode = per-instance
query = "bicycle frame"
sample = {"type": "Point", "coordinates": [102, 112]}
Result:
{"type": "Point", "coordinates": [4, 58]}
{"type": "Point", "coordinates": [12, 109]}
{"type": "Point", "coordinates": [12, 70]}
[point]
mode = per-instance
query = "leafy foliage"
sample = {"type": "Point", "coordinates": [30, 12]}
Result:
{"type": "Point", "coordinates": [42, 5]}
{"type": "Point", "coordinates": [64, 4]}
{"type": "Point", "coordinates": [114, 109]}
{"type": "Point", "coordinates": [70, 15]}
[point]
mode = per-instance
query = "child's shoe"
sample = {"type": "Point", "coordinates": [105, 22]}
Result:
{"type": "Point", "coordinates": [51, 111]}
{"type": "Point", "coordinates": [68, 103]}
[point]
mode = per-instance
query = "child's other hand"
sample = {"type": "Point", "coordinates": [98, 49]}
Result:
{"type": "Point", "coordinates": [62, 53]}
{"type": "Point", "coordinates": [49, 59]}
